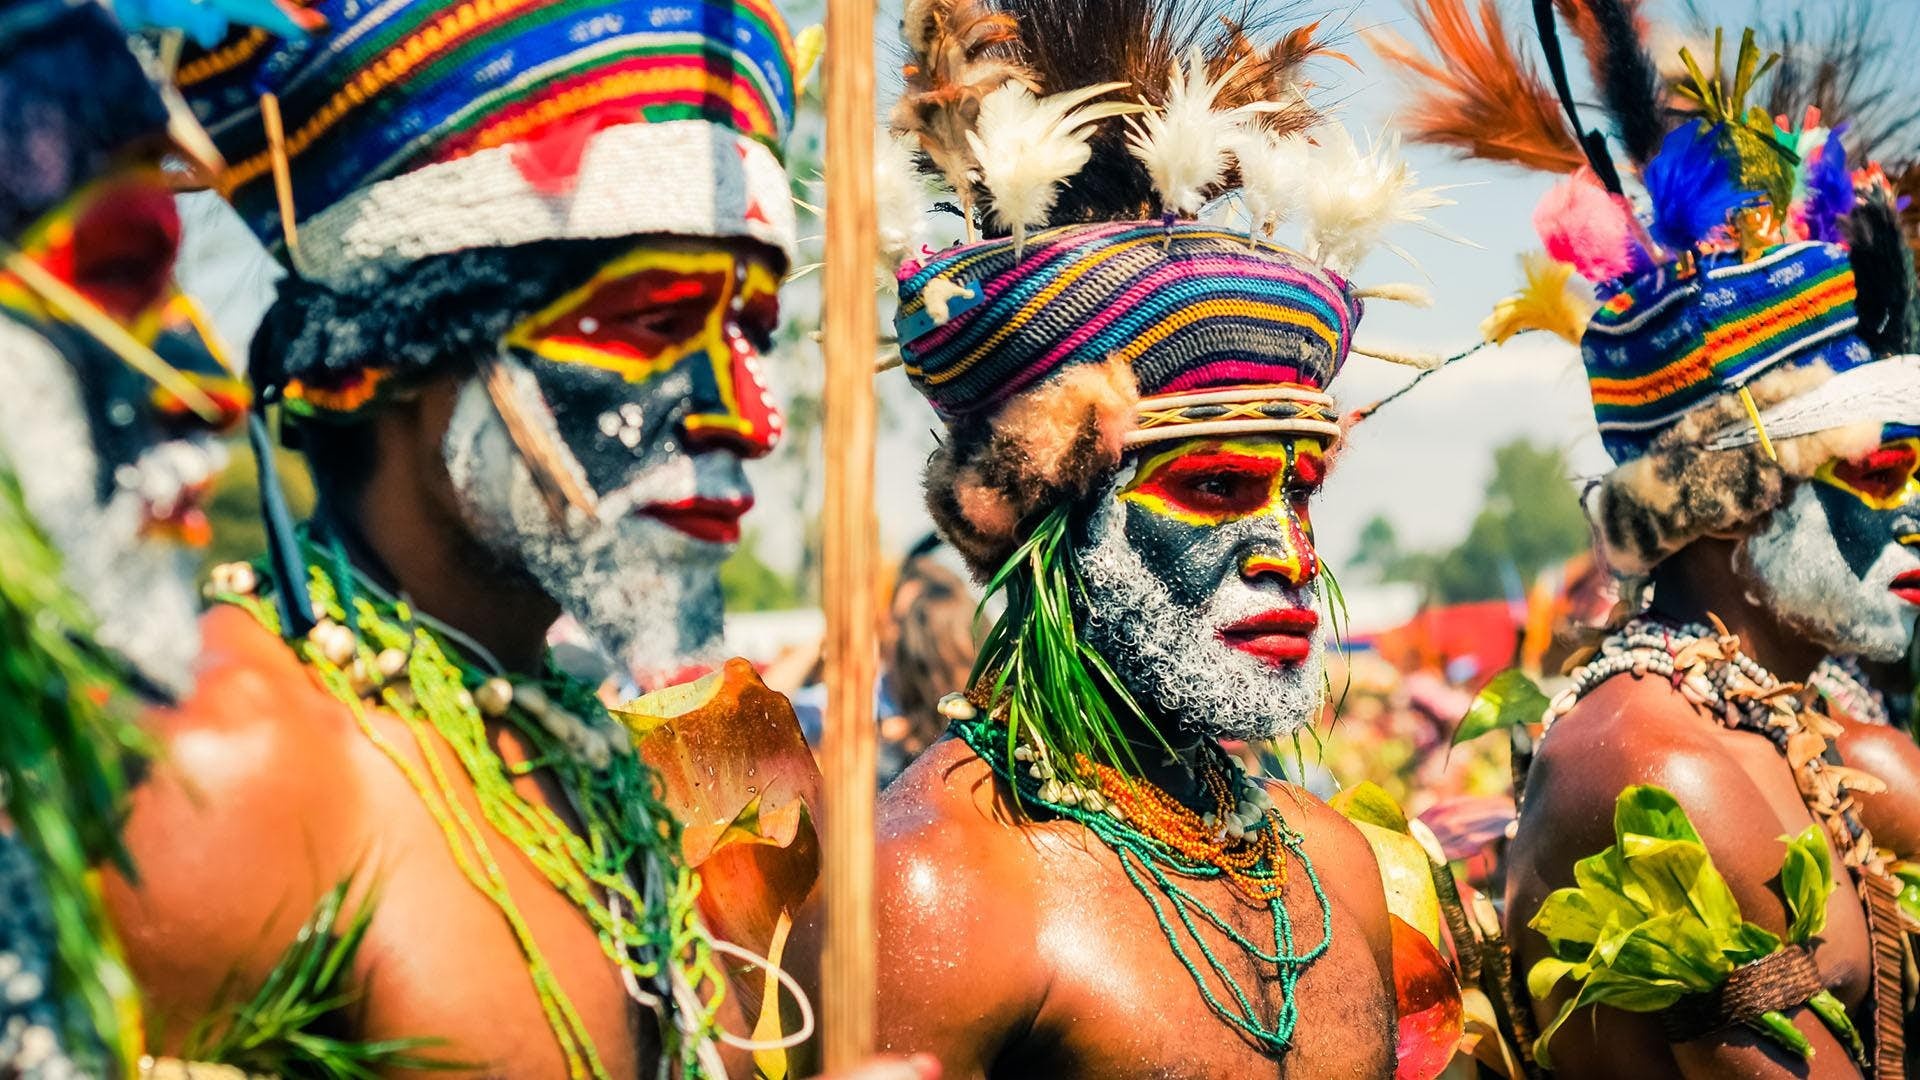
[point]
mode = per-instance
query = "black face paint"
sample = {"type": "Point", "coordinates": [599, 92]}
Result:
{"type": "Point", "coordinates": [1861, 532]}
{"type": "Point", "coordinates": [1872, 503]}
{"type": "Point", "coordinates": [658, 356]}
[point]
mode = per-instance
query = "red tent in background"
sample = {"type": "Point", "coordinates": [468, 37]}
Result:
{"type": "Point", "coordinates": [1468, 643]}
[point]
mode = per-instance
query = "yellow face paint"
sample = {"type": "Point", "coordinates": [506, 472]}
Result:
{"type": "Point", "coordinates": [1207, 483]}
{"type": "Point", "coordinates": [1886, 479]}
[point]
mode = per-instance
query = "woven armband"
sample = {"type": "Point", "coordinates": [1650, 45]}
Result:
{"type": "Point", "coordinates": [1776, 983]}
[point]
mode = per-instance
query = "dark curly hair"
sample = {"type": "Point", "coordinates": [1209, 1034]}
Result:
{"type": "Point", "coordinates": [424, 318]}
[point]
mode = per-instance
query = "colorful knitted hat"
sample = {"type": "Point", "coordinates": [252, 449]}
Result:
{"type": "Point", "coordinates": [1096, 312]}
{"type": "Point", "coordinates": [1745, 324]}
{"type": "Point", "coordinates": [416, 128]}
{"type": "Point", "coordinates": [1204, 313]}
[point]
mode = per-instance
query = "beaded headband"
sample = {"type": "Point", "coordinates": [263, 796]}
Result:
{"type": "Point", "coordinates": [1254, 410]}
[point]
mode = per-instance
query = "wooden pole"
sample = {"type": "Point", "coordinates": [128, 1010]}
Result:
{"type": "Point", "coordinates": [851, 328]}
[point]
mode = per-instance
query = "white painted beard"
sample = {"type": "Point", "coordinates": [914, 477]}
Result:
{"type": "Point", "coordinates": [140, 591]}
{"type": "Point", "coordinates": [1172, 659]}
{"type": "Point", "coordinates": [648, 593]}
{"type": "Point", "coordinates": [1798, 571]}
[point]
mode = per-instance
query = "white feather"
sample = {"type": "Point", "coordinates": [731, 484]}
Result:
{"type": "Point", "coordinates": [900, 198]}
{"type": "Point", "coordinates": [1353, 197]}
{"type": "Point", "coordinates": [1185, 145]}
{"type": "Point", "coordinates": [1028, 146]}
{"type": "Point", "coordinates": [1273, 176]}
{"type": "Point", "coordinates": [1398, 292]}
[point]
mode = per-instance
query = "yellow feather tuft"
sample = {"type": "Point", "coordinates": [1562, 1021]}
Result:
{"type": "Point", "coordinates": [809, 45]}
{"type": "Point", "coordinates": [1554, 300]}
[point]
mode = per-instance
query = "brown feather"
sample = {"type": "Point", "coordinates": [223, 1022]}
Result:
{"type": "Point", "coordinates": [961, 51]}
{"type": "Point", "coordinates": [1276, 74]}
{"type": "Point", "coordinates": [1480, 97]}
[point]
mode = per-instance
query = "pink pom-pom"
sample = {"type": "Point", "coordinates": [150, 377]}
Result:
{"type": "Point", "coordinates": [1589, 227]}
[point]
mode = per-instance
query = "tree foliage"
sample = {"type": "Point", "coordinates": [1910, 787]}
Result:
{"type": "Point", "coordinates": [1530, 521]}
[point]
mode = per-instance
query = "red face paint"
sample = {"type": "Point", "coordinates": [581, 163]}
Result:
{"type": "Point", "coordinates": [1882, 477]}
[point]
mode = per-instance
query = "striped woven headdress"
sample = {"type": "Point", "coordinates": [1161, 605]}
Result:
{"type": "Point", "coordinates": [1202, 316]}
{"type": "Point", "coordinates": [1666, 343]}
{"type": "Point", "coordinates": [422, 127]}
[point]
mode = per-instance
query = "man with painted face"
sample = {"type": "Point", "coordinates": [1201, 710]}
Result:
{"type": "Point", "coordinates": [105, 450]}
{"type": "Point", "coordinates": [1079, 881]}
{"type": "Point", "coordinates": [534, 253]}
{"type": "Point", "coordinates": [1748, 375]}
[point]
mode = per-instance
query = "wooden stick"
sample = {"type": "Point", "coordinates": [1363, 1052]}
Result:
{"type": "Point", "coordinates": [70, 302]}
{"type": "Point", "coordinates": [848, 983]}
{"type": "Point", "coordinates": [282, 173]}
{"type": "Point", "coordinates": [557, 484]}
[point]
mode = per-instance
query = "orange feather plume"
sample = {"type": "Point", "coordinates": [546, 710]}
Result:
{"type": "Point", "coordinates": [1480, 97]}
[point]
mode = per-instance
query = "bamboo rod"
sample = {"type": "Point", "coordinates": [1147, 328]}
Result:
{"type": "Point", "coordinates": [282, 174]}
{"type": "Point", "coordinates": [83, 313]}
{"type": "Point", "coordinates": [848, 982]}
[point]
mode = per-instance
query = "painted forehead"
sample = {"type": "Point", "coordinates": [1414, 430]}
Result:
{"type": "Point", "coordinates": [1215, 481]}
{"type": "Point", "coordinates": [645, 312]}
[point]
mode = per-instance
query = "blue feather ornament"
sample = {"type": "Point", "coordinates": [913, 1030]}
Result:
{"type": "Point", "coordinates": [1830, 195]}
{"type": "Point", "coordinates": [1693, 186]}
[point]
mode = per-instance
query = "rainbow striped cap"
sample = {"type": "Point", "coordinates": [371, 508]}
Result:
{"type": "Point", "coordinates": [423, 127]}
{"type": "Point", "coordinates": [1223, 338]}
{"type": "Point", "coordinates": [1674, 338]}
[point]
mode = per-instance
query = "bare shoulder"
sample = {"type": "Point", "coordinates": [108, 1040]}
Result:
{"type": "Point", "coordinates": [955, 885]}
{"type": "Point", "coordinates": [1627, 732]}
{"type": "Point", "coordinates": [240, 824]}
{"type": "Point", "coordinates": [1735, 787]}
{"type": "Point", "coordinates": [1890, 756]}
{"type": "Point", "coordinates": [946, 836]}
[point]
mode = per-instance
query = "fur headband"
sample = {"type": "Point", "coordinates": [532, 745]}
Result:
{"type": "Point", "coordinates": [1057, 444]}
{"type": "Point", "coordinates": [1680, 491]}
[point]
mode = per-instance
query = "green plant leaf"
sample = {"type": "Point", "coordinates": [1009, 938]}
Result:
{"type": "Point", "coordinates": [1834, 1015]}
{"type": "Point", "coordinates": [1574, 920]}
{"type": "Point", "coordinates": [1806, 880]}
{"type": "Point", "coordinates": [1510, 700]}
{"type": "Point", "coordinates": [1547, 973]}
{"type": "Point", "coordinates": [1680, 875]}
{"type": "Point", "coordinates": [1675, 949]}
{"type": "Point", "coordinates": [1646, 810]}
{"type": "Point", "coordinates": [1781, 1030]}
{"type": "Point", "coordinates": [1369, 802]}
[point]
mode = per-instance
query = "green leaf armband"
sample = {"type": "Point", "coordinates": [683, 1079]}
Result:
{"type": "Point", "coordinates": [1650, 926]}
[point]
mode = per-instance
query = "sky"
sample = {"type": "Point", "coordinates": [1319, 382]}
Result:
{"type": "Point", "coordinates": [1423, 462]}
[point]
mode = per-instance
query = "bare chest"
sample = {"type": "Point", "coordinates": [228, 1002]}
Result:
{"type": "Point", "coordinates": [1136, 992]}
{"type": "Point", "coordinates": [471, 945]}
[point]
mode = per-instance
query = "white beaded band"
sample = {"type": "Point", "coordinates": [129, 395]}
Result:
{"type": "Point", "coordinates": [1241, 410]}
{"type": "Point", "coordinates": [679, 178]}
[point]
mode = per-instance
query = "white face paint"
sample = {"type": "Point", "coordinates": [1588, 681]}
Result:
{"type": "Point", "coordinates": [139, 589]}
{"type": "Point", "coordinates": [648, 591]}
{"type": "Point", "coordinates": [1835, 579]}
{"type": "Point", "coordinates": [1173, 655]}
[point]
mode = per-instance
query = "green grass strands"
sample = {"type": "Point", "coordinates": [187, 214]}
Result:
{"type": "Point", "coordinates": [69, 729]}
